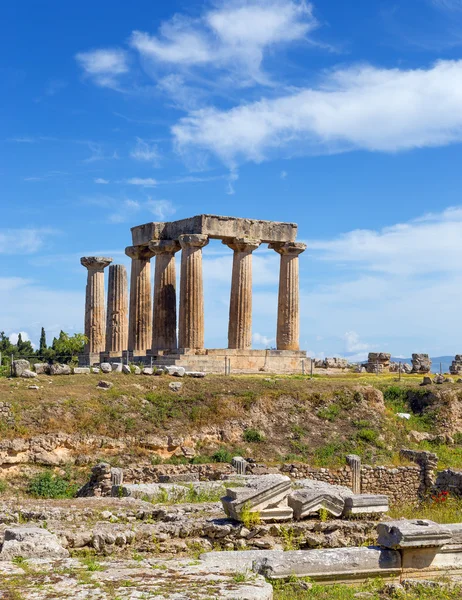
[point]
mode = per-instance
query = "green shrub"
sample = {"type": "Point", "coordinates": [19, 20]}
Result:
{"type": "Point", "coordinates": [2, 486]}
{"type": "Point", "coordinates": [330, 412]}
{"type": "Point", "coordinates": [253, 435]}
{"type": "Point", "coordinates": [222, 455]}
{"type": "Point", "coordinates": [156, 459]}
{"type": "Point", "coordinates": [368, 435]}
{"type": "Point", "coordinates": [47, 485]}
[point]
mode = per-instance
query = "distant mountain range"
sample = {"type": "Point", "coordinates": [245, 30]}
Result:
{"type": "Point", "coordinates": [436, 360]}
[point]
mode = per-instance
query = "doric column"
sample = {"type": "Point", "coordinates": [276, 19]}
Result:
{"type": "Point", "coordinates": [117, 310]}
{"type": "Point", "coordinates": [191, 329]}
{"type": "Point", "coordinates": [288, 328]}
{"type": "Point", "coordinates": [240, 306]}
{"type": "Point", "coordinates": [140, 314]}
{"type": "Point", "coordinates": [95, 326]}
{"type": "Point", "coordinates": [164, 305]}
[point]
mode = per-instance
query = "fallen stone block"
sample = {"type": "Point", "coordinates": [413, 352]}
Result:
{"type": "Point", "coordinates": [240, 464]}
{"type": "Point", "coordinates": [175, 386]}
{"type": "Point", "coordinates": [277, 513]}
{"type": "Point", "coordinates": [126, 369]}
{"type": "Point", "coordinates": [260, 493]}
{"type": "Point", "coordinates": [241, 560]}
{"type": "Point", "coordinates": [31, 542]}
{"type": "Point", "coordinates": [198, 374]}
{"type": "Point", "coordinates": [117, 367]}
{"type": "Point", "coordinates": [19, 366]}
{"type": "Point", "coordinates": [175, 371]}
{"type": "Point", "coordinates": [42, 368]}
{"type": "Point", "coordinates": [315, 485]}
{"type": "Point", "coordinates": [416, 533]}
{"type": "Point", "coordinates": [365, 504]}
{"type": "Point", "coordinates": [105, 367]}
{"type": "Point", "coordinates": [179, 478]}
{"type": "Point", "coordinates": [308, 502]}
{"type": "Point", "coordinates": [328, 564]}
{"type": "Point", "coordinates": [95, 369]}
{"type": "Point", "coordinates": [148, 371]}
{"type": "Point", "coordinates": [82, 370]}
{"type": "Point", "coordinates": [28, 374]}
{"type": "Point", "coordinates": [57, 369]}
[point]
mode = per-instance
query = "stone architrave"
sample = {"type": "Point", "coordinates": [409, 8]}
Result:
{"type": "Point", "coordinates": [288, 326]}
{"type": "Point", "coordinates": [164, 305]}
{"type": "Point", "coordinates": [140, 314]}
{"type": "Point", "coordinates": [413, 533]}
{"type": "Point", "coordinates": [240, 306]}
{"type": "Point", "coordinates": [191, 321]}
{"type": "Point", "coordinates": [95, 313]}
{"type": "Point", "coordinates": [117, 310]}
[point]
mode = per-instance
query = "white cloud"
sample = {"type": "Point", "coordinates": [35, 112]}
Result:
{"type": "Point", "coordinates": [233, 36]}
{"type": "Point", "coordinates": [161, 209]}
{"type": "Point", "coordinates": [145, 182]}
{"type": "Point", "coordinates": [145, 151]}
{"type": "Point", "coordinates": [362, 107]}
{"type": "Point", "coordinates": [23, 241]}
{"type": "Point", "coordinates": [14, 337]}
{"type": "Point", "coordinates": [101, 181]}
{"type": "Point", "coordinates": [428, 245]}
{"type": "Point", "coordinates": [262, 340]}
{"type": "Point", "coordinates": [104, 66]}
{"type": "Point", "coordinates": [283, 175]}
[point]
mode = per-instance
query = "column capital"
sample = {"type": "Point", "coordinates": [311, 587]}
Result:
{"type": "Point", "coordinates": [288, 248]}
{"type": "Point", "coordinates": [196, 240]}
{"type": "Point", "coordinates": [139, 252]}
{"type": "Point", "coordinates": [164, 246]}
{"type": "Point", "coordinates": [242, 244]}
{"type": "Point", "coordinates": [95, 263]}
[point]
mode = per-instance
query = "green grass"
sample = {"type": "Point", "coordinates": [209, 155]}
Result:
{"type": "Point", "coordinates": [448, 511]}
{"type": "Point", "coordinates": [253, 435]}
{"type": "Point", "coordinates": [304, 590]}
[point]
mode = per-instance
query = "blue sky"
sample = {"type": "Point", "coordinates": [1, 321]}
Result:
{"type": "Point", "coordinates": [345, 117]}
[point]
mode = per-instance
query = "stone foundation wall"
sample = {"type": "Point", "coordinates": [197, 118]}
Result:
{"type": "Point", "coordinates": [401, 484]}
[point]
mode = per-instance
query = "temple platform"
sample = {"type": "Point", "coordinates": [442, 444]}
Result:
{"type": "Point", "coordinates": [228, 361]}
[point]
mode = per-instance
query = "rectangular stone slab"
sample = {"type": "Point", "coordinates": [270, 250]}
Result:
{"type": "Point", "coordinates": [307, 502]}
{"type": "Point", "coordinates": [414, 533]}
{"type": "Point", "coordinates": [278, 513]}
{"type": "Point", "coordinates": [365, 504]}
{"type": "Point", "coordinates": [331, 563]}
{"type": "Point", "coordinates": [216, 226]}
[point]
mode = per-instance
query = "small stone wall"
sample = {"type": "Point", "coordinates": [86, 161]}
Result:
{"type": "Point", "coordinates": [401, 484]}
{"type": "Point", "coordinates": [450, 481]}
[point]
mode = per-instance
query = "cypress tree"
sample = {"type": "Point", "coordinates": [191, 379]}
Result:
{"type": "Point", "coordinates": [43, 341]}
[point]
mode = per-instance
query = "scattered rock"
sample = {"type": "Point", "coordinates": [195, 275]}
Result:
{"type": "Point", "coordinates": [421, 363]}
{"type": "Point", "coordinates": [105, 385]}
{"type": "Point", "coordinates": [148, 371]}
{"type": "Point", "coordinates": [175, 386]}
{"type": "Point", "coordinates": [406, 416]}
{"type": "Point", "coordinates": [95, 369]}
{"type": "Point", "coordinates": [427, 381]}
{"type": "Point", "coordinates": [33, 387]}
{"type": "Point", "coordinates": [126, 369]}
{"type": "Point", "coordinates": [105, 367]}
{"type": "Point", "coordinates": [117, 367]}
{"type": "Point", "coordinates": [197, 374]}
{"type": "Point", "coordinates": [42, 368]}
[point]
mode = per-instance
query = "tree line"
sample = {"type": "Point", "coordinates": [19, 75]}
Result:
{"type": "Point", "coordinates": [64, 348]}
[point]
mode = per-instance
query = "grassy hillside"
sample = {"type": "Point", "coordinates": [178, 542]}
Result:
{"type": "Point", "coordinates": [269, 418]}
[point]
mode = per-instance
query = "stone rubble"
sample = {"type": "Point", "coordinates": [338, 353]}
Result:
{"type": "Point", "coordinates": [31, 542]}
{"type": "Point", "coordinates": [421, 363]}
{"type": "Point", "coordinates": [378, 362]}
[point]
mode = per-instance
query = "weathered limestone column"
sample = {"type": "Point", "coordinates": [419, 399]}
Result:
{"type": "Point", "coordinates": [191, 326]}
{"type": "Point", "coordinates": [288, 327]}
{"type": "Point", "coordinates": [117, 310]}
{"type": "Point", "coordinates": [240, 306]}
{"type": "Point", "coordinates": [95, 325]}
{"type": "Point", "coordinates": [164, 305]}
{"type": "Point", "coordinates": [140, 314]}
{"type": "Point", "coordinates": [354, 462]}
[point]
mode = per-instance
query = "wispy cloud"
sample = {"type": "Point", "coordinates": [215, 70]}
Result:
{"type": "Point", "coordinates": [161, 209]}
{"type": "Point", "coordinates": [104, 66]}
{"type": "Point", "coordinates": [145, 151]}
{"type": "Point", "coordinates": [144, 182]}
{"type": "Point", "coordinates": [101, 181]}
{"type": "Point", "coordinates": [363, 107]}
{"type": "Point", "coordinates": [448, 5]}
{"type": "Point", "coordinates": [98, 152]}
{"type": "Point", "coordinates": [24, 241]}
{"type": "Point", "coordinates": [233, 35]}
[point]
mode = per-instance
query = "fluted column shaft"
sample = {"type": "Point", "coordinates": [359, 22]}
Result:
{"type": "Point", "coordinates": [140, 313]}
{"type": "Point", "coordinates": [288, 326]}
{"type": "Point", "coordinates": [240, 305]}
{"type": "Point", "coordinates": [164, 306]}
{"type": "Point", "coordinates": [191, 321]}
{"type": "Point", "coordinates": [95, 313]}
{"type": "Point", "coordinates": [117, 310]}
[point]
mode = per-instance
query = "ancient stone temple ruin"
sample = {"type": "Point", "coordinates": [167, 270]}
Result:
{"type": "Point", "coordinates": [149, 330]}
